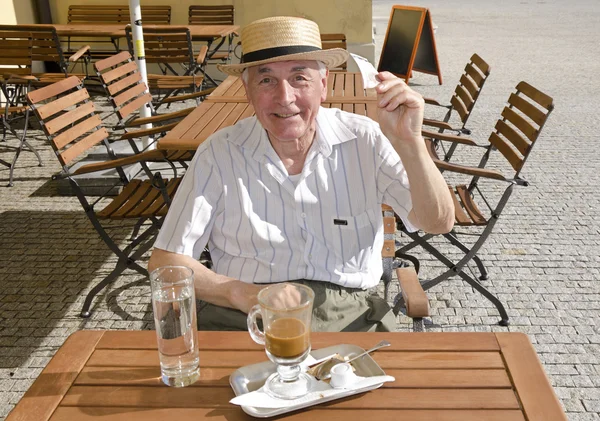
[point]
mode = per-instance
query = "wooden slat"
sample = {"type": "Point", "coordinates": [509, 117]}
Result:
{"type": "Point", "coordinates": [133, 200]}
{"type": "Point", "coordinates": [124, 83]}
{"type": "Point", "coordinates": [74, 132]}
{"type": "Point", "coordinates": [62, 103]}
{"type": "Point", "coordinates": [534, 390]}
{"type": "Point", "coordinates": [459, 214]}
{"type": "Point", "coordinates": [508, 152]}
{"type": "Point", "coordinates": [388, 359]}
{"type": "Point", "coordinates": [474, 74]}
{"type": "Point", "coordinates": [239, 341]}
{"type": "Point", "coordinates": [520, 123]}
{"type": "Point", "coordinates": [536, 95]}
{"type": "Point", "coordinates": [460, 108]}
{"type": "Point", "coordinates": [218, 397]}
{"type": "Point", "coordinates": [69, 117]}
{"type": "Point", "coordinates": [316, 413]}
{"type": "Point", "coordinates": [129, 94]}
{"type": "Point", "coordinates": [513, 136]}
{"type": "Point", "coordinates": [159, 207]}
{"type": "Point", "coordinates": [53, 90]}
{"type": "Point", "coordinates": [83, 145]}
{"type": "Point", "coordinates": [119, 71]}
{"type": "Point", "coordinates": [116, 203]}
{"type": "Point", "coordinates": [527, 108]}
{"type": "Point", "coordinates": [470, 85]}
{"type": "Point", "coordinates": [470, 206]}
{"type": "Point", "coordinates": [388, 249]}
{"type": "Point", "coordinates": [101, 65]}
{"type": "Point", "coordinates": [150, 376]}
{"type": "Point", "coordinates": [481, 64]}
{"type": "Point", "coordinates": [134, 105]}
{"type": "Point", "coordinates": [465, 96]}
{"type": "Point", "coordinates": [417, 303]}
{"type": "Point", "coordinates": [40, 401]}
{"type": "Point", "coordinates": [389, 224]}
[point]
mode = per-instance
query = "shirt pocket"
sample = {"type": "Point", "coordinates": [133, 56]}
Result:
{"type": "Point", "coordinates": [352, 239]}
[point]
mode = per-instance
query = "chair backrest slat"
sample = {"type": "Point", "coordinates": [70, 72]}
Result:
{"type": "Point", "coordinates": [541, 98]}
{"type": "Point", "coordinates": [513, 136]}
{"type": "Point", "coordinates": [15, 50]}
{"type": "Point", "coordinates": [77, 130]}
{"type": "Point", "coordinates": [211, 15]}
{"type": "Point", "coordinates": [465, 97]}
{"type": "Point", "coordinates": [470, 85]}
{"type": "Point", "coordinates": [527, 108]}
{"type": "Point", "coordinates": [119, 71]}
{"type": "Point", "coordinates": [115, 13]}
{"type": "Point", "coordinates": [337, 40]}
{"type": "Point", "coordinates": [112, 61]}
{"type": "Point", "coordinates": [124, 83]}
{"type": "Point", "coordinates": [129, 94]}
{"type": "Point", "coordinates": [505, 149]}
{"type": "Point", "coordinates": [70, 117]}
{"type": "Point", "coordinates": [68, 155]}
{"type": "Point", "coordinates": [481, 64]}
{"type": "Point", "coordinates": [520, 123]}
{"type": "Point", "coordinates": [172, 45]}
{"type": "Point", "coordinates": [134, 105]}
{"type": "Point", "coordinates": [474, 74]}
{"type": "Point", "coordinates": [45, 44]}
{"type": "Point", "coordinates": [53, 90]}
{"type": "Point", "coordinates": [460, 108]}
{"type": "Point", "coordinates": [60, 104]}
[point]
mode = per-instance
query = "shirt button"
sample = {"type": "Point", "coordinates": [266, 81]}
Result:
{"type": "Point", "coordinates": [303, 215]}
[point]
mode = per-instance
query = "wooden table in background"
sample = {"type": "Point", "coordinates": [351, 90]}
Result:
{"type": "Point", "coordinates": [228, 103]}
{"type": "Point", "coordinates": [115, 375]}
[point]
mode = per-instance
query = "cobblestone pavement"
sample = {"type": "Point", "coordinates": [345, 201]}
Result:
{"type": "Point", "coordinates": [543, 257]}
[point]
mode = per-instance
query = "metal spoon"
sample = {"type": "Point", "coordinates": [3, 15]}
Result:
{"type": "Point", "coordinates": [324, 370]}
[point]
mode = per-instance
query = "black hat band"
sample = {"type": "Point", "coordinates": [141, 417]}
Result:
{"type": "Point", "coordinates": [277, 52]}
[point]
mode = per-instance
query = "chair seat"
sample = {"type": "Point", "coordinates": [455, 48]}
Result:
{"type": "Point", "coordinates": [139, 198]}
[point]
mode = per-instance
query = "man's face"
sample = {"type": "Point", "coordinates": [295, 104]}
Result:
{"type": "Point", "coordinates": [286, 97]}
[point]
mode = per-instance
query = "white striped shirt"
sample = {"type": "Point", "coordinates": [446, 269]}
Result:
{"type": "Point", "coordinates": [260, 227]}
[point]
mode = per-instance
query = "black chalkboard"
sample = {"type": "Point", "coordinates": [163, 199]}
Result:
{"type": "Point", "coordinates": [409, 43]}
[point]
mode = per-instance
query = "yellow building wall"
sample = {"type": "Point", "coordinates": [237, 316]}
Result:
{"type": "Point", "coordinates": [351, 17]}
{"type": "Point", "coordinates": [17, 11]}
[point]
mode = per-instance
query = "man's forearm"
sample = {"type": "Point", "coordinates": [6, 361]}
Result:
{"type": "Point", "coordinates": [209, 286]}
{"type": "Point", "coordinates": [433, 208]}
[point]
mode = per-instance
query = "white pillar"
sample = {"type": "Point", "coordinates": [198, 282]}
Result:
{"type": "Point", "coordinates": [135, 15]}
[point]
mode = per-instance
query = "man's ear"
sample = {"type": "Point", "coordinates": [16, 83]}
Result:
{"type": "Point", "coordinates": [324, 82]}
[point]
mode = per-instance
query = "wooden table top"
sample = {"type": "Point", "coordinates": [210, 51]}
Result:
{"type": "Point", "coordinates": [198, 32]}
{"type": "Point", "coordinates": [228, 103]}
{"type": "Point", "coordinates": [115, 375]}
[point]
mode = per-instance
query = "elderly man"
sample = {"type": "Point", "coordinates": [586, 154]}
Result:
{"type": "Point", "coordinates": [295, 193]}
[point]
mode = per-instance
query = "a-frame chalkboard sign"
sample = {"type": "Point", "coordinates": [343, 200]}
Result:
{"type": "Point", "coordinates": [409, 43]}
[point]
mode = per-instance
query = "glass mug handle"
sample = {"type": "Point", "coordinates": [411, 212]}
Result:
{"type": "Point", "coordinates": [257, 335]}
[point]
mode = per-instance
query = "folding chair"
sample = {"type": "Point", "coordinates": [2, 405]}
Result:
{"type": "Point", "coordinates": [68, 119]}
{"type": "Point", "coordinates": [462, 102]}
{"type": "Point", "coordinates": [222, 14]}
{"type": "Point", "coordinates": [514, 137]}
{"type": "Point", "coordinates": [170, 48]}
{"type": "Point", "coordinates": [122, 81]}
{"type": "Point", "coordinates": [335, 41]}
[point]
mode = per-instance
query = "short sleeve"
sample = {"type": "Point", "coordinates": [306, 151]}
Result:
{"type": "Point", "coordinates": [187, 226]}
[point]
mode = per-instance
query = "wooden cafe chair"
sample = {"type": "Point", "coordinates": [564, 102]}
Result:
{"type": "Point", "coordinates": [127, 92]}
{"type": "Point", "coordinates": [170, 48]}
{"type": "Point", "coordinates": [461, 105]}
{"type": "Point", "coordinates": [69, 120]}
{"type": "Point", "coordinates": [220, 14]}
{"type": "Point", "coordinates": [479, 202]}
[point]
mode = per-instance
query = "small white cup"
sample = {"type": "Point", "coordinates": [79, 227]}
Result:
{"type": "Point", "coordinates": [342, 376]}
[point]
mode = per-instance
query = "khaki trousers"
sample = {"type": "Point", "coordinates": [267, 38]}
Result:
{"type": "Point", "coordinates": [335, 309]}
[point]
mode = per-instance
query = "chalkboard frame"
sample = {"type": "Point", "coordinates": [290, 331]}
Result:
{"type": "Point", "coordinates": [410, 29]}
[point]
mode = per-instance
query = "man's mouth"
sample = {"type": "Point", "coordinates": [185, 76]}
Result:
{"type": "Point", "coordinates": [285, 115]}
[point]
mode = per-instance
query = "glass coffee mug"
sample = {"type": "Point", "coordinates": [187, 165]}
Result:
{"type": "Point", "coordinates": [286, 310]}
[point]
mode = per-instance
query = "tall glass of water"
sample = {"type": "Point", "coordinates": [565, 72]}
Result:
{"type": "Point", "coordinates": [174, 305]}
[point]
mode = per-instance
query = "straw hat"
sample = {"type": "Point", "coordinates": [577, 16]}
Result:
{"type": "Point", "coordinates": [283, 38]}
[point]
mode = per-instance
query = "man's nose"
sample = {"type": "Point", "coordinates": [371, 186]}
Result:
{"type": "Point", "coordinates": [284, 93]}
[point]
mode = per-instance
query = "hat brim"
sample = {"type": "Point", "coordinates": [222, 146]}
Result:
{"type": "Point", "coordinates": [332, 58]}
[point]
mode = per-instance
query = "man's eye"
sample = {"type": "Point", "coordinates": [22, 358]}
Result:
{"type": "Point", "coordinates": [265, 80]}
{"type": "Point", "coordinates": [300, 78]}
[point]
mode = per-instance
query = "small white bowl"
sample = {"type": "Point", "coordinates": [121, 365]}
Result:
{"type": "Point", "coordinates": [342, 376]}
